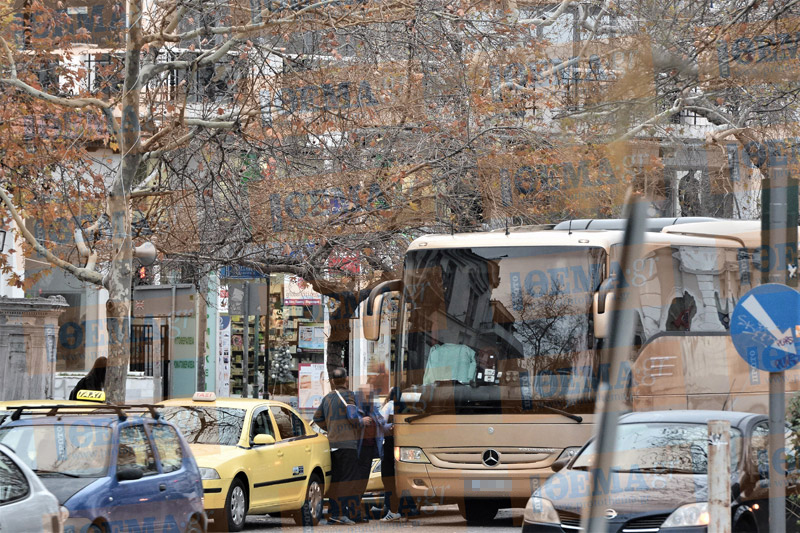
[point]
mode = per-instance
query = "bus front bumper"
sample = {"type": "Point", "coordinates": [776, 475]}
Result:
{"type": "Point", "coordinates": [432, 485]}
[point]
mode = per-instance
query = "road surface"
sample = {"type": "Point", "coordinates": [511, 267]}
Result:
{"type": "Point", "coordinates": [442, 518]}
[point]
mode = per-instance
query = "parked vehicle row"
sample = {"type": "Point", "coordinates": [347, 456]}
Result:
{"type": "Point", "coordinates": [91, 467]}
{"type": "Point", "coordinates": [200, 463]}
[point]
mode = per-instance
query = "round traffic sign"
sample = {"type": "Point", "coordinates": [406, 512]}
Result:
{"type": "Point", "coordinates": [765, 327]}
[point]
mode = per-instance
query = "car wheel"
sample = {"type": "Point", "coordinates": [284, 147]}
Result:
{"type": "Point", "coordinates": [745, 525]}
{"type": "Point", "coordinates": [96, 528]}
{"type": "Point", "coordinates": [195, 525]}
{"type": "Point", "coordinates": [231, 518]}
{"type": "Point", "coordinates": [478, 511]}
{"type": "Point", "coordinates": [311, 512]}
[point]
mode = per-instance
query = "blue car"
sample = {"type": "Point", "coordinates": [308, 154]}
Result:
{"type": "Point", "coordinates": [111, 468]}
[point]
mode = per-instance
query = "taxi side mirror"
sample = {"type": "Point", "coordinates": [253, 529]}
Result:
{"type": "Point", "coordinates": [262, 439]}
{"type": "Point", "coordinates": [129, 473]}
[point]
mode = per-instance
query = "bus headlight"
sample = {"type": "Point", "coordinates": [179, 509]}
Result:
{"type": "Point", "coordinates": [692, 514]}
{"type": "Point", "coordinates": [540, 511]}
{"type": "Point", "coordinates": [208, 473]}
{"type": "Point", "coordinates": [411, 454]}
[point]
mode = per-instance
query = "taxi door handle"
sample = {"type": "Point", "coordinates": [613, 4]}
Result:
{"type": "Point", "coordinates": [308, 449]}
{"type": "Point", "coordinates": [162, 487]}
{"type": "Point", "coordinates": [280, 453]}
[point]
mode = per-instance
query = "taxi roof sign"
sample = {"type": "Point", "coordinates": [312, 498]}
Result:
{"type": "Point", "coordinates": [91, 396]}
{"type": "Point", "coordinates": [207, 396]}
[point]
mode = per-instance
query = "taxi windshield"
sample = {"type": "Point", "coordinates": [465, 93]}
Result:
{"type": "Point", "coordinates": [74, 449]}
{"type": "Point", "coordinates": [207, 425]}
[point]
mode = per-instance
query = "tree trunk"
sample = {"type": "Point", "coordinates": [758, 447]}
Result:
{"type": "Point", "coordinates": [118, 280]}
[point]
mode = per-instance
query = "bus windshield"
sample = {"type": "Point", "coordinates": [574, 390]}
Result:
{"type": "Point", "coordinates": [500, 329]}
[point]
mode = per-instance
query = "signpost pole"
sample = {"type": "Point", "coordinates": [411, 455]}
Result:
{"type": "Point", "coordinates": [779, 252]}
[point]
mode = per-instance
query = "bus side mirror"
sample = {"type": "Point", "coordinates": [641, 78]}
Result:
{"type": "Point", "coordinates": [372, 319]}
{"type": "Point", "coordinates": [602, 308]}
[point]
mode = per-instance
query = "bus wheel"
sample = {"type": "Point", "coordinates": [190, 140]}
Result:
{"type": "Point", "coordinates": [478, 511]}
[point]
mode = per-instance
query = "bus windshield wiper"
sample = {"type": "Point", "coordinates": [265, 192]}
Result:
{"type": "Point", "coordinates": [420, 416]}
{"type": "Point", "coordinates": [576, 418]}
{"type": "Point", "coordinates": [425, 414]}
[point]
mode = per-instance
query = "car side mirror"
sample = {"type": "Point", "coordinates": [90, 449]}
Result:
{"type": "Point", "coordinates": [129, 473]}
{"type": "Point", "coordinates": [559, 465]}
{"type": "Point", "coordinates": [262, 439]}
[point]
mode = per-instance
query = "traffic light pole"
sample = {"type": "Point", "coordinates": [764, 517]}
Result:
{"type": "Point", "coordinates": [246, 340]}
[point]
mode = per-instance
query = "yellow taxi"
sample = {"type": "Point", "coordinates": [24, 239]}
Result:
{"type": "Point", "coordinates": [255, 457]}
{"type": "Point", "coordinates": [374, 493]}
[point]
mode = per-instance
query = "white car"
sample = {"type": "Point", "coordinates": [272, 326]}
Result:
{"type": "Point", "coordinates": [25, 503]}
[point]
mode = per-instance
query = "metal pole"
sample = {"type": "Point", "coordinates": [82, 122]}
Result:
{"type": "Point", "coordinates": [611, 403]}
{"type": "Point", "coordinates": [268, 323]}
{"type": "Point", "coordinates": [245, 340]}
{"type": "Point", "coordinates": [171, 342]}
{"type": "Point", "coordinates": [779, 198]}
{"type": "Point", "coordinates": [256, 349]}
{"type": "Point", "coordinates": [719, 476]}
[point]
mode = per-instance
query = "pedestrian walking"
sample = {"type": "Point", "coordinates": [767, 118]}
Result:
{"type": "Point", "coordinates": [370, 446]}
{"type": "Point", "coordinates": [94, 380]}
{"type": "Point", "coordinates": [338, 415]}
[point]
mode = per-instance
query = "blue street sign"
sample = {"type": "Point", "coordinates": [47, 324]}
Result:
{"type": "Point", "coordinates": [765, 328]}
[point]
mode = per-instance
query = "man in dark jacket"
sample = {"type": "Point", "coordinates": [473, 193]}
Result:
{"type": "Point", "coordinates": [338, 415]}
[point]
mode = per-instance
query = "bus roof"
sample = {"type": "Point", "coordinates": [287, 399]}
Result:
{"type": "Point", "coordinates": [748, 232]}
{"type": "Point", "coordinates": [700, 234]}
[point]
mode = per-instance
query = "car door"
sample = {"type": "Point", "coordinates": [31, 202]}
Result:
{"type": "Point", "coordinates": [178, 483]}
{"type": "Point", "coordinates": [296, 450]}
{"type": "Point", "coordinates": [136, 503]}
{"type": "Point", "coordinates": [265, 461]}
{"type": "Point", "coordinates": [17, 507]}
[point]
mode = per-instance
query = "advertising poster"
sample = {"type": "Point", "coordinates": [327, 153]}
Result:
{"type": "Point", "coordinates": [224, 357]}
{"type": "Point", "coordinates": [311, 338]}
{"type": "Point", "coordinates": [312, 385]}
{"type": "Point", "coordinates": [296, 291]}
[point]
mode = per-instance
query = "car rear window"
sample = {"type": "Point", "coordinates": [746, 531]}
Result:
{"type": "Point", "coordinates": [13, 485]}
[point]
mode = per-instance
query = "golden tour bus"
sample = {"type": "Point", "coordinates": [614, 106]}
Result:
{"type": "Point", "coordinates": [501, 336]}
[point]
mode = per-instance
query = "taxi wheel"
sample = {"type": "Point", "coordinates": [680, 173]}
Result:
{"type": "Point", "coordinates": [232, 517]}
{"type": "Point", "coordinates": [311, 512]}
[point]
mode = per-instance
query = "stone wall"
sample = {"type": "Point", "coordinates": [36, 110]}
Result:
{"type": "Point", "coordinates": [28, 335]}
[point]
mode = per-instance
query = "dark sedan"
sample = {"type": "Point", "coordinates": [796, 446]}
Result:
{"type": "Point", "coordinates": [661, 483]}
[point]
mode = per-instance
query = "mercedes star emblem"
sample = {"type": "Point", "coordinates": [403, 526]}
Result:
{"type": "Point", "coordinates": [491, 458]}
{"type": "Point", "coordinates": [610, 514]}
